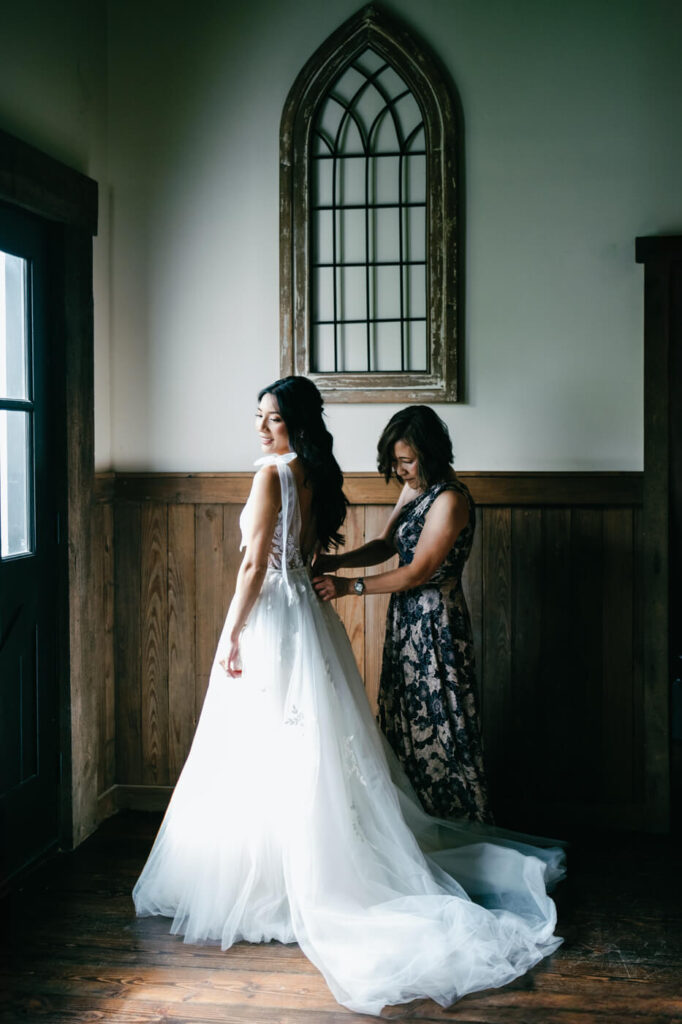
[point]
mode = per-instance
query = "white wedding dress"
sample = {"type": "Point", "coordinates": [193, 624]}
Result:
{"type": "Point", "coordinates": [292, 820]}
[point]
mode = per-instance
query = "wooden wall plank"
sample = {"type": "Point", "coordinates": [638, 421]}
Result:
{"type": "Point", "coordinates": [351, 610]}
{"type": "Point", "coordinates": [616, 740]}
{"type": "Point", "coordinates": [104, 519]}
{"type": "Point", "coordinates": [472, 584]}
{"type": "Point", "coordinates": [496, 673]}
{"type": "Point", "coordinates": [127, 546]}
{"type": "Point", "coordinates": [181, 635]}
{"type": "Point", "coordinates": [582, 704]}
{"type": "Point", "coordinates": [210, 598]}
{"type": "Point", "coordinates": [154, 625]}
{"type": "Point", "coordinates": [638, 747]}
{"type": "Point", "coordinates": [376, 606]}
{"type": "Point", "coordinates": [232, 555]}
{"type": "Point", "coordinates": [557, 651]}
{"type": "Point", "coordinates": [528, 680]}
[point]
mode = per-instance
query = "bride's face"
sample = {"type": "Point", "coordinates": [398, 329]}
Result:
{"type": "Point", "coordinates": [271, 428]}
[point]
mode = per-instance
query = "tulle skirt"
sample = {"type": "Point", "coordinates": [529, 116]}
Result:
{"type": "Point", "coordinates": [292, 820]}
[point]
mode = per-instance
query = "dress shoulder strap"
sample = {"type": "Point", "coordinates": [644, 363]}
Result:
{"type": "Point", "coordinates": [287, 485]}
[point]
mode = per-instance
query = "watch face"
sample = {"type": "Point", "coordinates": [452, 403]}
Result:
{"type": "Point", "coordinates": [359, 586]}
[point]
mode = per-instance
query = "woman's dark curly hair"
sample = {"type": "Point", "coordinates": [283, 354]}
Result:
{"type": "Point", "coordinates": [423, 430]}
{"type": "Point", "coordinates": [300, 405]}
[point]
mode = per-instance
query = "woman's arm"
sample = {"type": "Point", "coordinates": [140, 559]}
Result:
{"type": "Point", "coordinates": [373, 553]}
{"type": "Point", "coordinates": [267, 499]}
{"type": "Point", "coordinates": [444, 521]}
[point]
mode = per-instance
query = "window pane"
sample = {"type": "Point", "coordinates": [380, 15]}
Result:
{"type": "Point", "coordinates": [323, 348]}
{"type": "Point", "coordinates": [348, 84]}
{"type": "Point", "coordinates": [370, 61]}
{"type": "Point", "coordinates": [408, 114]}
{"type": "Point", "coordinates": [15, 478]}
{"type": "Point", "coordinates": [414, 232]}
{"type": "Point", "coordinates": [350, 236]}
{"type": "Point", "coordinates": [369, 106]}
{"type": "Point", "coordinates": [350, 140]}
{"type": "Point", "coordinates": [328, 121]}
{"type": "Point", "coordinates": [384, 179]}
{"type": "Point", "coordinates": [322, 171]}
{"type": "Point", "coordinates": [13, 343]}
{"type": "Point", "coordinates": [415, 344]}
{"type": "Point", "coordinates": [414, 184]}
{"type": "Point", "coordinates": [384, 237]}
{"type": "Point", "coordinates": [351, 293]}
{"type": "Point", "coordinates": [384, 138]}
{"type": "Point", "coordinates": [386, 347]}
{"type": "Point", "coordinates": [323, 251]}
{"type": "Point", "coordinates": [352, 347]}
{"type": "Point", "coordinates": [385, 292]}
{"type": "Point", "coordinates": [392, 82]}
{"type": "Point", "coordinates": [414, 287]}
{"type": "Point", "coordinates": [323, 293]}
{"type": "Point", "coordinates": [351, 181]}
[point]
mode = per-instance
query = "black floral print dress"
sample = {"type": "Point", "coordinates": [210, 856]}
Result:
{"type": "Point", "coordinates": [428, 706]}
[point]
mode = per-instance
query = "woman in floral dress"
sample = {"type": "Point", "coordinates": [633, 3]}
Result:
{"type": "Point", "coordinates": [428, 707]}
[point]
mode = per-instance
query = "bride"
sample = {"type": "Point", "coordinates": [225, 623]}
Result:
{"type": "Point", "coordinates": [292, 819]}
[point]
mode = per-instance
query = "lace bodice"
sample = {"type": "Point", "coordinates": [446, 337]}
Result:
{"type": "Point", "coordinates": [285, 549]}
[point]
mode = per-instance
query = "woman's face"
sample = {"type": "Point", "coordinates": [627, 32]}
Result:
{"type": "Point", "coordinates": [271, 428]}
{"type": "Point", "coordinates": [406, 464]}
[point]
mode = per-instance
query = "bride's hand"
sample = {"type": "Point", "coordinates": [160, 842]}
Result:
{"type": "Point", "coordinates": [232, 662]}
{"type": "Point", "coordinates": [329, 587]}
{"type": "Point", "coordinates": [325, 563]}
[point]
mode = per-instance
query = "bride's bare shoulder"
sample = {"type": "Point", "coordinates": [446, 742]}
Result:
{"type": "Point", "coordinates": [265, 488]}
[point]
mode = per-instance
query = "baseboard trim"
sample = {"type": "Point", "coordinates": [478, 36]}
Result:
{"type": "Point", "coordinates": [123, 797]}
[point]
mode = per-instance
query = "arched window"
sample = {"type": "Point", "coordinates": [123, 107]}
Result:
{"type": "Point", "coordinates": [368, 219]}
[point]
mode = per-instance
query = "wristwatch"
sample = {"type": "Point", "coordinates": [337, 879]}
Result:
{"type": "Point", "coordinates": [359, 587]}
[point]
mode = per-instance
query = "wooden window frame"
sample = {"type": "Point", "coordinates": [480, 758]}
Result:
{"type": "Point", "coordinates": [428, 83]}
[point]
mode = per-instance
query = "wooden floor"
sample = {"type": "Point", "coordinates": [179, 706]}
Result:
{"type": "Point", "coordinates": [74, 952]}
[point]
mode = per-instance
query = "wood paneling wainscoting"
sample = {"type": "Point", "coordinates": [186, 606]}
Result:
{"type": "Point", "coordinates": [553, 585]}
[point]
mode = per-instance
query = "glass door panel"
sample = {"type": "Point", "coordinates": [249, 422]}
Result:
{"type": "Point", "coordinates": [15, 483]}
{"type": "Point", "coordinates": [14, 331]}
{"type": "Point", "coordinates": [16, 409]}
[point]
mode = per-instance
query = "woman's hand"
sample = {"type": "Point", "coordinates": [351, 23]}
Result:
{"type": "Point", "coordinates": [232, 661]}
{"type": "Point", "coordinates": [325, 563]}
{"type": "Point", "coordinates": [329, 587]}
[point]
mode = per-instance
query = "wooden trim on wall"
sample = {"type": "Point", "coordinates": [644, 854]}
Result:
{"type": "Point", "coordinates": [498, 488]}
{"type": "Point", "coordinates": [42, 185]}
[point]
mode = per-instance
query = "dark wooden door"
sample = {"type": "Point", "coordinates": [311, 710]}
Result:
{"type": "Point", "coordinates": [29, 704]}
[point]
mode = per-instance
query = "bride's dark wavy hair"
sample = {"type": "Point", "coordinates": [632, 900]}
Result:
{"type": "Point", "coordinates": [300, 405]}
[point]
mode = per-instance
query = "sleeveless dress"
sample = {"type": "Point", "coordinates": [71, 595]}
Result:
{"type": "Point", "coordinates": [292, 820]}
{"type": "Point", "coordinates": [428, 702]}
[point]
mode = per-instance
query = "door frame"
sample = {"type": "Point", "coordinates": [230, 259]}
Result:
{"type": "Point", "coordinates": [66, 201]}
{"type": "Point", "coordinates": [657, 254]}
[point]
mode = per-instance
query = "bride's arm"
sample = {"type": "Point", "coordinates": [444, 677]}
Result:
{"type": "Point", "coordinates": [375, 551]}
{"type": "Point", "coordinates": [266, 502]}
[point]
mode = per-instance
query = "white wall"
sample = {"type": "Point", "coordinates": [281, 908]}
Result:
{"type": "Point", "coordinates": [572, 149]}
{"type": "Point", "coordinates": [53, 89]}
